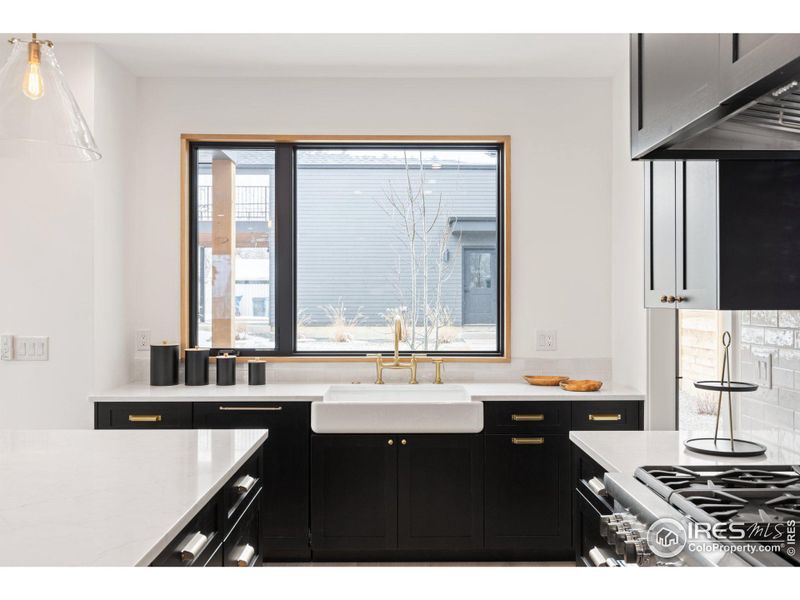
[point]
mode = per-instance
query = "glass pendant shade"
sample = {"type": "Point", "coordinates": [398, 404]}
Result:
{"type": "Point", "coordinates": [38, 113]}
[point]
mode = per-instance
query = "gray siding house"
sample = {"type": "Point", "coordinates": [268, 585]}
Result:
{"type": "Point", "coordinates": [354, 242]}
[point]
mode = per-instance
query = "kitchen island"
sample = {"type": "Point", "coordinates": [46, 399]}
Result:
{"type": "Point", "coordinates": [126, 498]}
{"type": "Point", "coordinates": [623, 451]}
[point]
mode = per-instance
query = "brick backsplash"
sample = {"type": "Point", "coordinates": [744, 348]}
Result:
{"type": "Point", "coordinates": [770, 414]}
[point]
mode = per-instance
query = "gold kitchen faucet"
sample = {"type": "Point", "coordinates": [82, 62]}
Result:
{"type": "Point", "coordinates": [396, 363]}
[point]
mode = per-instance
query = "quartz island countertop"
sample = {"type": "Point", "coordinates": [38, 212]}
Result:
{"type": "Point", "coordinates": [309, 392]}
{"type": "Point", "coordinates": [623, 451]}
{"type": "Point", "coordinates": [113, 498]}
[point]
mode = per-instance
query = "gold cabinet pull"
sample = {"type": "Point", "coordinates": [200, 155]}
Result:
{"type": "Point", "coordinates": [533, 441]}
{"type": "Point", "coordinates": [270, 408]}
{"type": "Point", "coordinates": [144, 418]}
{"type": "Point", "coordinates": [390, 442]}
{"type": "Point", "coordinates": [403, 441]}
{"type": "Point", "coordinates": [605, 417]}
{"type": "Point", "coordinates": [536, 417]}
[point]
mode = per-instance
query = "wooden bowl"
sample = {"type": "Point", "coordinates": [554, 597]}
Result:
{"type": "Point", "coordinates": [545, 379]}
{"type": "Point", "coordinates": [581, 385]}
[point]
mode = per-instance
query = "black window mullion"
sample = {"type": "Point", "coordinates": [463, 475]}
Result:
{"type": "Point", "coordinates": [284, 250]}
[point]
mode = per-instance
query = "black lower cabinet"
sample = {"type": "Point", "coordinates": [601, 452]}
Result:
{"type": "Point", "coordinates": [285, 494]}
{"type": "Point", "coordinates": [440, 492]}
{"type": "Point", "coordinates": [396, 496]}
{"type": "Point", "coordinates": [353, 492]}
{"type": "Point", "coordinates": [528, 504]}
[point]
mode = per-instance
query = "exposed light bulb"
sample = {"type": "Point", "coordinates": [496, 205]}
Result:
{"type": "Point", "coordinates": [32, 82]}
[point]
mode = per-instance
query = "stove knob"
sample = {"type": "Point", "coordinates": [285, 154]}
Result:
{"type": "Point", "coordinates": [636, 552]}
{"type": "Point", "coordinates": [606, 520]}
{"type": "Point", "coordinates": [615, 529]}
{"type": "Point", "coordinates": [622, 538]}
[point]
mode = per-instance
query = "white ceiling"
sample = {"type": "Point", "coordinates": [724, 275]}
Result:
{"type": "Point", "coordinates": [361, 55]}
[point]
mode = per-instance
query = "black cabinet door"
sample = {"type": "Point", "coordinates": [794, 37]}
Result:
{"type": "Point", "coordinates": [696, 244]}
{"type": "Point", "coordinates": [143, 415]}
{"type": "Point", "coordinates": [353, 492]}
{"type": "Point", "coordinates": [746, 58]}
{"type": "Point", "coordinates": [527, 493]}
{"type": "Point", "coordinates": [674, 81]}
{"type": "Point", "coordinates": [284, 511]}
{"type": "Point", "coordinates": [659, 238]}
{"type": "Point", "coordinates": [440, 492]}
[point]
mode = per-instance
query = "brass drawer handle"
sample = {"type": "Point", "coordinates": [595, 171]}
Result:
{"type": "Point", "coordinates": [144, 418]}
{"type": "Point", "coordinates": [605, 417]}
{"type": "Point", "coordinates": [244, 484]}
{"type": "Point", "coordinates": [194, 546]}
{"type": "Point", "coordinates": [537, 417]}
{"type": "Point", "coordinates": [537, 441]}
{"type": "Point", "coordinates": [269, 408]}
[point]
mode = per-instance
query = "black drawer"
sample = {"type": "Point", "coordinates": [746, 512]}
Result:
{"type": "Point", "coordinates": [526, 417]}
{"type": "Point", "coordinates": [242, 547]}
{"type": "Point", "coordinates": [190, 550]}
{"type": "Point", "coordinates": [143, 415]}
{"type": "Point", "coordinates": [605, 415]}
{"type": "Point", "coordinates": [245, 485]}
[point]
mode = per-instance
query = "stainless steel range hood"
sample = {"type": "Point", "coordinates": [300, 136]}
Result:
{"type": "Point", "coordinates": [769, 123]}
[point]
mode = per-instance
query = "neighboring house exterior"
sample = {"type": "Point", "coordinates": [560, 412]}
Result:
{"type": "Point", "coordinates": [350, 250]}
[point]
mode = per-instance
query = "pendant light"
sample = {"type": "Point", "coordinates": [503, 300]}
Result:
{"type": "Point", "coordinates": [38, 112]}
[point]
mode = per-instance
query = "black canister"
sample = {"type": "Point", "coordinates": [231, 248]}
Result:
{"type": "Point", "coordinates": [226, 369]}
{"type": "Point", "coordinates": [256, 372]}
{"type": "Point", "coordinates": [196, 366]}
{"type": "Point", "coordinates": [164, 359]}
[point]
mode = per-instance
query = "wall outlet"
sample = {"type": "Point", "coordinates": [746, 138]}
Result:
{"type": "Point", "coordinates": [6, 347]}
{"type": "Point", "coordinates": [142, 340]}
{"type": "Point", "coordinates": [546, 340]}
{"type": "Point", "coordinates": [31, 348]}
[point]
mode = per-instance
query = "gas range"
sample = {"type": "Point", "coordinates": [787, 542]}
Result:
{"type": "Point", "coordinates": [731, 515]}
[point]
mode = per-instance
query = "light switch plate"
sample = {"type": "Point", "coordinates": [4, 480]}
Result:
{"type": "Point", "coordinates": [763, 373]}
{"type": "Point", "coordinates": [31, 348]}
{"type": "Point", "coordinates": [546, 340]}
{"type": "Point", "coordinates": [6, 347]}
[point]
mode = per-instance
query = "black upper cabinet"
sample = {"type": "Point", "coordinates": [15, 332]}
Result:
{"type": "Point", "coordinates": [527, 492]}
{"type": "Point", "coordinates": [353, 492]}
{"type": "Point", "coordinates": [674, 80]}
{"type": "Point", "coordinates": [722, 235]}
{"type": "Point", "coordinates": [683, 85]}
{"type": "Point", "coordinates": [285, 495]}
{"type": "Point", "coordinates": [745, 58]}
{"type": "Point", "coordinates": [440, 492]}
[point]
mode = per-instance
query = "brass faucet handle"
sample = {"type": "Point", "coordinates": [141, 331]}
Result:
{"type": "Point", "coordinates": [438, 363]}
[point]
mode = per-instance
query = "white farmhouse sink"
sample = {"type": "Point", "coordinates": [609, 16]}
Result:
{"type": "Point", "coordinates": [396, 409]}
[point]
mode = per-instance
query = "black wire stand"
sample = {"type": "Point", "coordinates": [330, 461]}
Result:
{"type": "Point", "coordinates": [717, 445]}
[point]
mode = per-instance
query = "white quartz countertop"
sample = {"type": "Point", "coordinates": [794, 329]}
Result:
{"type": "Point", "coordinates": [111, 498]}
{"type": "Point", "coordinates": [304, 392]}
{"type": "Point", "coordinates": [623, 451]}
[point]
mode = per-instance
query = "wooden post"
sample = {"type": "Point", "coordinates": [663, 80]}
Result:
{"type": "Point", "coordinates": [223, 248]}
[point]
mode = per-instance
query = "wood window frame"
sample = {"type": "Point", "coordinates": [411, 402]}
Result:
{"type": "Point", "coordinates": [285, 290]}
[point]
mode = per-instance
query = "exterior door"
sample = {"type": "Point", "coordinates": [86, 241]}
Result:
{"type": "Point", "coordinates": [480, 286]}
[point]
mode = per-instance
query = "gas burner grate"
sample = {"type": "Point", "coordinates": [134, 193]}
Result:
{"type": "Point", "coordinates": [788, 503]}
{"type": "Point", "coordinates": [739, 477]}
{"type": "Point", "coordinates": [674, 479]}
{"type": "Point", "coordinates": [721, 508]}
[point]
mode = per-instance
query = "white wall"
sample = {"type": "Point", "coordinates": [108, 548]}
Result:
{"type": "Point", "coordinates": [59, 233]}
{"type": "Point", "coordinates": [561, 180]}
{"type": "Point", "coordinates": [628, 316]}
